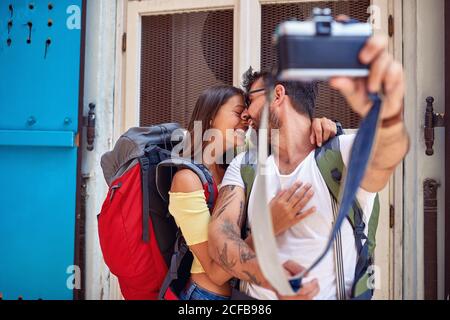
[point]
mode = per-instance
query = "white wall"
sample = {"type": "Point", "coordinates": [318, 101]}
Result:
{"type": "Point", "coordinates": [98, 89]}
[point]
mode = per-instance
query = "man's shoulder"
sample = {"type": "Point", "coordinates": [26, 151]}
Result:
{"type": "Point", "coordinates": [341, 144]}
{"type": "Point", "coordinates": [233, 173]}
{"type": "Point", "coordinates": [346, 139]}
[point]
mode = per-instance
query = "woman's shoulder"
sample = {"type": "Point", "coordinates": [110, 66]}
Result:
{"type": "Point", "coordinates": [186, 181]}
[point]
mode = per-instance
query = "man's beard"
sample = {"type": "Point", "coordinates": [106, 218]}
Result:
{"type": "Point", "coordinates": [274, 121]}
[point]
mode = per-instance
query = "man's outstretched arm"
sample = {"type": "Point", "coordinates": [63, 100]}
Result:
{"type": "Point", "coordinates": [224, 239]}
{"type": "Point", "coordinates": [392, 141]}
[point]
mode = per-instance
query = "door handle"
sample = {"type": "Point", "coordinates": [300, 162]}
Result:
{"type": "Point", "coordinates": [432, 120]}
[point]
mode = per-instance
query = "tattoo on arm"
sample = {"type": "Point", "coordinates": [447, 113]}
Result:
{"type": "Point", "coordinates": [245, 254]}
{"type": "Point", "coordinates": [226, 196]}
{"type": "Point", "coordinates": [225, 261]}
{"type": "Point", "coordinates": [252, 278]}
{"type": "Point", "coordinates": [241, 217]}
{"type": "Point", "coordinates": [229, 230]}
{"type": "Point", "coordinates": [233, 254]}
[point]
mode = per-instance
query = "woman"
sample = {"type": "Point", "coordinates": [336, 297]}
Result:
{"type": "Point", "coordinates": [219, 109]}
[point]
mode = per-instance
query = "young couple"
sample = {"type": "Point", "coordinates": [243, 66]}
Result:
{"type": "Point", "coordinates": [300, 202]}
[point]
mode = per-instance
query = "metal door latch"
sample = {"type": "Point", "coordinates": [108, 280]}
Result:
{"type": "Point", "coordinates": [89, 123]}
{"type": "Point", "coordinates": [432, 120]}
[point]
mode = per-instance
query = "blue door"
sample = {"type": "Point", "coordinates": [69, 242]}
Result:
{"type": "Point", "coordinates": [40, 85]}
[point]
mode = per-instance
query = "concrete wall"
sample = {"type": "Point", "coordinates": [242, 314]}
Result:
{"type": "Point", "coordinates": [99, 89]}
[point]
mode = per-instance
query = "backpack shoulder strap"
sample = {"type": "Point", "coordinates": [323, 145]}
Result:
{"type": "Point", "coordinates": [248, 172]}
{"type": "Point", "coordinates": [248, 175]}
{"type": "Point", "coordinates": [178, 163]}
{"type": "Point", "coordinates": [331, 166]}
{"type": "Point", "coordinates": [164, 174]}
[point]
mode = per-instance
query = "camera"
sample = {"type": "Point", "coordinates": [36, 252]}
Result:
{"type": "Point", "coordinates": [321, 48]}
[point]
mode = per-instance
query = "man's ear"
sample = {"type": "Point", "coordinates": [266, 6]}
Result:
{"type": "Point", "coordinates": [279, 94]}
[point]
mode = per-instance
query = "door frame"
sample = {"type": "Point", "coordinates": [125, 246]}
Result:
{"type": "Point", "coordinates": [80, 208]}
{"type": "Point", "coordinates": [134, 13]}
{"type": "Point", "coordinates": [397, 181]}
{"type": "Point", "coordinates": [447, 150]}
{"type": "Point", "coordinates": [420, 56]}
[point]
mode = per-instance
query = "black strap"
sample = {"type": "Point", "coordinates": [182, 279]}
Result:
{"type": "Point", "coordinates": [180, 251]}
{"type": "Point", "coordinates": [145, 165]}
{"type": "Point", "coordinates": [211, 199]}
{"type": "Point", "coordinates": [340, 128]}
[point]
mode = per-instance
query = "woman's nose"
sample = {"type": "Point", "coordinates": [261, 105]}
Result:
{"type": "Point", "coordinates": [245, 115]}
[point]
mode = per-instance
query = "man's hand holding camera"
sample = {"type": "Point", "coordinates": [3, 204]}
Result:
{"type": "Point", "coordinates": [385, 74]}
{"type": "Point", "coordinates": [386, 77]}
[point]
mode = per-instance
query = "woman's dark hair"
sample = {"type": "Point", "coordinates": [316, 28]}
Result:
{"type": "Point", "coordinates": [206, 109]}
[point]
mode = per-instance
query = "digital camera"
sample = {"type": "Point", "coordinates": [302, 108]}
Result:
{"type": "Point", "coordinates": [320, 48]}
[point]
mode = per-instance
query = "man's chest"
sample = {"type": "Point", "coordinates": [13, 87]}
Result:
{"type": "Point", "coordinates": [318, 223]}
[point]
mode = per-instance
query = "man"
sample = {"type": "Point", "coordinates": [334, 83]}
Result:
{"type": "Point", "coordinates": [291, 111]}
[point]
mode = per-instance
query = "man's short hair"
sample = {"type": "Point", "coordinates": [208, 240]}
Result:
{"type": "Point", "coordinates": [303, 94]}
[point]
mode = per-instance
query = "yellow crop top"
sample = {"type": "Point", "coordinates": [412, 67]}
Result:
{"type": "Point", "coordinates": [192, 215]}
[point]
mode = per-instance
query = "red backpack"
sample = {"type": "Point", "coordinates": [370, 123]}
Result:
{"type": "Point", "coordinates": [140, 242]}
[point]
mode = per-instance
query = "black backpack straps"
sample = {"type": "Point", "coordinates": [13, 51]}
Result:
{"type": "Point", "coordinates": [175, 163]}
{"type": "Point", "coordinates": [339, 128]}
{"type": "Point", "coordinates": [180, 250]}
{"type": "Point", "coordinates": [145, 167]}
{"type": "Point", "coordinates": [181, 163]}
{"type": "Point", "coordinates": [150, 158]}
{"type": "Point", "coordinates": [209, 185]}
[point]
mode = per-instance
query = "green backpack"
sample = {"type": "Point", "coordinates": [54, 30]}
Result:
{"type": "Point", "coordinates": [331, 166]}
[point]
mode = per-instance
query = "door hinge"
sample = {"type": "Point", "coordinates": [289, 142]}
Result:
{"type": "Point", "coordinates": [124, 42]}
{"type": "Point", "coordinates": [89, 123]}
{"type": "Point", "coordinates": [391, 25]}
{"type": "Point", "coordinates": [391, 216]}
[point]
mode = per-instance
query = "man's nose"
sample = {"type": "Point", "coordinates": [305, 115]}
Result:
{"type": "Point", "coordinates": [245, 116]}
